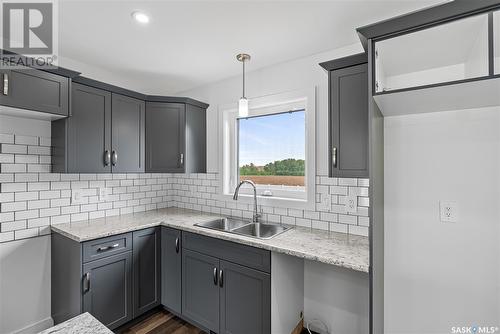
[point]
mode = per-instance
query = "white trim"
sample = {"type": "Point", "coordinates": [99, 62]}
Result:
{"type": "Point", "coordinates": [301, 99]}
{"type": "Point", "coordinates": [36, 327]}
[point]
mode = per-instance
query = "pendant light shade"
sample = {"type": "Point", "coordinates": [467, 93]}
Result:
{"type": "Point", "coordinates": [243, 107]}
{"type": "Point", "coordinates": [243, 102]}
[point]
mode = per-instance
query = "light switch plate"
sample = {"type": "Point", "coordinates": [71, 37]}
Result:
{"type": "Point", "coordinates": [326, 202]}
{"type": "Point", "coordinates": [351, 203]}
{"type": "Point", "coordinates": [103, 194]}
{"type": "Point", "coordinates": [76, 197]}
{"type": "Point", "coordinates": [448, 211]}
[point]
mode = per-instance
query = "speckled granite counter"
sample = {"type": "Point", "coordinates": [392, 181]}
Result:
{"type": "Point", "coordinates": [81, 324]}
{"type": "Point", "coordinates": [338, 249]}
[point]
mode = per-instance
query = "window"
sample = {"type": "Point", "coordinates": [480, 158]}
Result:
{"type": "Point", "coordinates": [273, 147]}
{"type": "Point", "coordinates": [271, 152]}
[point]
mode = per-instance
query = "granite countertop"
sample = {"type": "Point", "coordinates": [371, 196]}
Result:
{"type": "Point", "coordinates": [81, 324]}
{"type": "Point", "coordinates": [339, 249]}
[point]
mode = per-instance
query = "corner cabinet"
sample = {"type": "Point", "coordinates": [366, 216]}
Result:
{"type": "Point", "coordinates": [171, 269]}
{"type": "Point", "coordinates": [175, 138]}
{"type": "Point", "coordinates": [105, 133]}
{"type": "Point", "coordinates": [147, 275]}
{"type": "Point", "coordinates": [35, 90]}
{"type": "Point", "coordinates": [348, 116]}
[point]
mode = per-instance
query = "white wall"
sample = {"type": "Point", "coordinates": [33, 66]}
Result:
{"type": "Point", "coordinates": [439, 275]}
{"type": "Point", "coordinates": [284, 77]}
{"type": "Point", "coordinates": [25, 285]}
{"type": "Point", "coordinates": [25, 264]}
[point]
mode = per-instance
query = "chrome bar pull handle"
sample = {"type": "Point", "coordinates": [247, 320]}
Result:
{"type": "Point", "coordinates": [107, 158]}
{"type": "Point", "coordinates": [114, 158]}
{"type": "Point", "coordinates": [182, 158]}
{"type": "Point", "coordinates": [221, 278]}
{"type": "Point", "coordinates": [86, 282]}
{"type": "Point", "coordinates": [5, 84]}
{"type": "Point", "coordinates": [177, 245]}
{"type": "Point", "coordinates": [106, 248]}
{"type": "Point", "coordinates": [215, 276]}
{"type": "Point", "coordinates": [334, 157]}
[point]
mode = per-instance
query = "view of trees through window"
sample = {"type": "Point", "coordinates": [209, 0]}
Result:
{"type": "Point", "coordinates": [272, 149]}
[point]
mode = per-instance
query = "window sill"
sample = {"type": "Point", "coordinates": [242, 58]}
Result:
{"type": "Point", "coordinates": [278, 202]}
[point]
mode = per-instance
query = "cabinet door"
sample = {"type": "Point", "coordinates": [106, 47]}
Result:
{"type": "Point", "coordinates": [32, 89]}
{"type": "Point", "coordinates": [200, 289]}
{"type": "Point", "coordinates": [165, 137]}
{"type": "Point", "coordinates": [171, 269]}
{"type": "Point", "coordinates": [127, 134]}
{"type": "Point", "coordinates": [245, 300]}
{"type": "Point", "coordinates": [107, 289]}
{"type": "Point", "coordinates": [349, 122]}
{"type": "Point", "coordinates": [89, 137]}
{"type": "Point", "coordinates": [195, 160]}
{"type": "Point", "coordinates": [146, 250]}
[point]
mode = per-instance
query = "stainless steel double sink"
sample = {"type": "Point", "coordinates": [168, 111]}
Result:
{"type": "Point", "coordinates": [246, 228]}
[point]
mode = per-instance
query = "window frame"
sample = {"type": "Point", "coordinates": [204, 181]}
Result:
{"type": "Point", "coordinates": [304, 99]}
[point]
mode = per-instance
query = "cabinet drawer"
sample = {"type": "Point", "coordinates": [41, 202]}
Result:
{"type": "Point", "coordinates": [104, 247]}
{"type": "Point", "coordinates": [248, 256]}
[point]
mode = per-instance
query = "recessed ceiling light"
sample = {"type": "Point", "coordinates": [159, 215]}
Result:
{"type": "Point", "coordinates": [140, 17]}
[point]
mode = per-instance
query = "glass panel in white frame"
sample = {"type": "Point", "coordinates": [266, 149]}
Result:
{"type": "Point", "coordinates": [445, 53]}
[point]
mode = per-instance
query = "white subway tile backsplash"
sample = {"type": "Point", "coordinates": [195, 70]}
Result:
{"type": "Point", "coordinates": [32, 198]}
{"type": "Point", "coordinates": [10, 148]}
{"type": "Point", "coordinates": [7, 138]}
{"type": "Point", "coordinates": [26, 140]}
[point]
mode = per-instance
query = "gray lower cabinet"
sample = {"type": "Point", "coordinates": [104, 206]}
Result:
{"type": "Point", "coordinates": [107, 289]}
{"type": "Point", "coordinates": [146, 259]}
{"type": "Point", "coordinates": [200, 289]}
{"type": "Point", "coordinates": [94, 276]}
{"type": "Point", "coordinates": [175, 138]}
{"type": "Point", "coordinates": [32, 89]}
{"type": "Point", "coordinates": [225, 296]}
{"type": "Point", "coordinates": [245, 303]}
{"type": "Point", "coordinates": [171, 269]}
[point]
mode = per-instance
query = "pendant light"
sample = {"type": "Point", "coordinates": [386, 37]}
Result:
{"type": "Point", "coordinates": [243, 102]}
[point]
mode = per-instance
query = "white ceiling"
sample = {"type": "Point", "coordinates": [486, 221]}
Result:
{"type": "Point", "coordinates": [189, 44]}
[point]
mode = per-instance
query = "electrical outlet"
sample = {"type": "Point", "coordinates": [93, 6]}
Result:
{"type": "Point", "coordinates": [76, 197]}
{"type": "Point", "coordinates": [448, 211]}
{"type": "Point", "coordinates": [103, 194]}
{"type": "Point", "coordinates": [351, 203]}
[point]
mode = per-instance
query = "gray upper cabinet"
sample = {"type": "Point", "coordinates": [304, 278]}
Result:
{"type": "Point", "coordinates": [165, 137]}
{"type": "Point", "coordinates": [348, 116]}
{"type": "Point", "coordinates": [104, 133]}
{"type": "Point", "coordinates": [127, 134]}
{"type": "Point", "coordinates": [245, 300]}
{"type": "Point", "coordinates": [107, 289]}
{"type": "Point", "coordinates": [171, 269]}
{"type": "Point", "coordinates": [175, 138]}
{"type": "Point", "coordinates": [82, 142]}
{"type": "Point", "coordinates": [146, 259]}
{"type": "Point", "coordinates": [31, 89]}
{"type": "Point", "coordinates": [200, 289]}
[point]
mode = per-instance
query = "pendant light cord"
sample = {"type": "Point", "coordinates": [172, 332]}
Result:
{"type": "Point", "coordinates": [243, 78]}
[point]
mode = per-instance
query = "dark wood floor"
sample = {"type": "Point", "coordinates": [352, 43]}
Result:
{"type": "Point", "coordinates": [161, 322]}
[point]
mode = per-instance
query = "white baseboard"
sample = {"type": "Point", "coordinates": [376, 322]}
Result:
{"type": "Point", "coordinates": [36, 327]}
